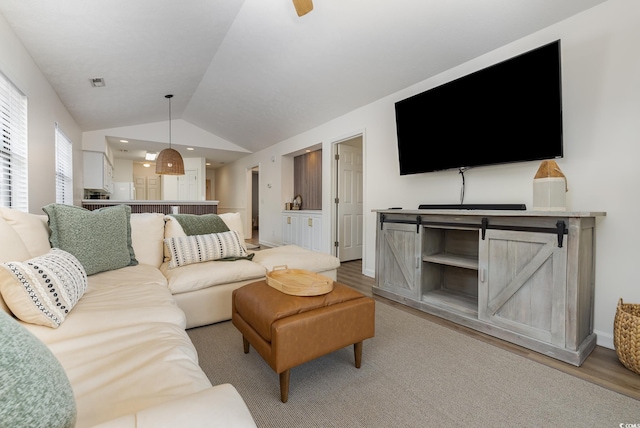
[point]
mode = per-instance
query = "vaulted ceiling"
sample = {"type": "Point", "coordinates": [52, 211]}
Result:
{"type": "Point", "coordinates": [251, 71]}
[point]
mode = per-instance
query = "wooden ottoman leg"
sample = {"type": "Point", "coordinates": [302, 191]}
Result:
{"type": "Point", "coordinates": [357, 351]}
{"type": "Point", "coordinates": [284, 385]}
{"type": "Point", "coordinates": [245, 344]}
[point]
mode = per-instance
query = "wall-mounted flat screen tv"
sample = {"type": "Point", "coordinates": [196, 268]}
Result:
{"type": "Point", "coordinates": [508, 112]}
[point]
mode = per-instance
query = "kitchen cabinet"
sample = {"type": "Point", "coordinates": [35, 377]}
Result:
{"type": "Point", "coordinates": [98, 172]}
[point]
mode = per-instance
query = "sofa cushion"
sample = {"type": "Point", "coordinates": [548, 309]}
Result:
{"type": "Point", "coordinates": [147, 234]}
{"type": "Point", "coordinates": [186, 250]}
{"type": "Point", "coordinates": [208, 274]}
{"type": "Point", "coordinates": [100, 239]}
{"type": "Point", "coordinates": [34, 388]}
{"type": "Point", "coordinates": [124, 369]}
{"type": "Point", "coordinates": [124, 346]}
{"type": "Point", "coordinates": [294, 257]}
{"type": "Point", "coordinates": [31, 228]}
{"type": "Point", "coordinates": [116, 299]}
{"type": "Point", "coordinates": [44, 289]}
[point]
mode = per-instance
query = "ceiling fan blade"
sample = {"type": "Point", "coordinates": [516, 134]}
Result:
{"type": "Point", "coordinates": [303, 6]}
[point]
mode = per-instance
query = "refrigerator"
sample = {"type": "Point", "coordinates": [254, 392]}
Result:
{"type": "Point", "coordinates": [123, 191]}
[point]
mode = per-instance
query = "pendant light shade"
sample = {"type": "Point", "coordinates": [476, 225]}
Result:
{"type": "Point", "coordinates": [169, 161]}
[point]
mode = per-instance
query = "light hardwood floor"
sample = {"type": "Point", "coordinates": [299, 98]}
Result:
{"type": "Point", "coordinates": [601, 367]}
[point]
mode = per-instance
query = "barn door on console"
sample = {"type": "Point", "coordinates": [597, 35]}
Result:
{"type": "Point", "coordinates": [522, 283]}
{"type": "Point", "coordinates": [398, 267]}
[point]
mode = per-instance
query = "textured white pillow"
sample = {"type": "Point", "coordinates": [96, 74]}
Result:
{"type": "Point", "coordinates": [43, 290]}
{"type": "Point", "coordinates": [234, 222]}
{"type": "Point", "coordinates": [31, 228]}
{"type": "Point", "coordinates": [185, 250]}
{"type": "Point", "coordinates": [147, 235]}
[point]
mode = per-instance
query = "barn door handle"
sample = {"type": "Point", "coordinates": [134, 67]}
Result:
{"type": "Point", "coordinates": [485, 225]}
{"type": "Point", "coordinates": [560, 232]}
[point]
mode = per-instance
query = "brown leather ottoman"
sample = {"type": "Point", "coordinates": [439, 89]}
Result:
{"type": "Point", "coordinates": [290, 330]}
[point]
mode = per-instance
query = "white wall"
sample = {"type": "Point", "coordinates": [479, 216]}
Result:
{"type": "Point", "coordinates": [44, 110]}
{"type": "Point", "coordinates": [601, 97]}
{"type": "Point", "coordinates": [123, 170]}
{"type": "Point", "coordinates": [170, 188]}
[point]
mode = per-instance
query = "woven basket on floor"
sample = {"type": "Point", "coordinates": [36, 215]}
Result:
{"type": "Point", "coordinates": [626, 335]}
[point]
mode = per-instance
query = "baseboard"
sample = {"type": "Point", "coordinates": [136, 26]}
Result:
{"type": "Point", "coordinates": [268, 244]}
{"type": "Point", "coordinates": [370, 273]}
{"type": "Point", "coordinates": [604, 339]}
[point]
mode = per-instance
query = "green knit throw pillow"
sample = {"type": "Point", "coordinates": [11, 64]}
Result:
{"type": "Point", "coordinates": [100, 239]}
{"type": "Point", "coordinates": [34, 389]}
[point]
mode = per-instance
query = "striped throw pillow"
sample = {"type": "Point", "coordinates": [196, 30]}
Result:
{"type": "Point", "coordinates": [44, 289]}
{"type": "Point", "coordinates": [186, 250]}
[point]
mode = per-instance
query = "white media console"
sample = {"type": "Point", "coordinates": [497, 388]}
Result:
{"type": "Point", "coordinates": [527, 277]}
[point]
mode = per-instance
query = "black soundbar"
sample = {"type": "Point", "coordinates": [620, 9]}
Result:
{"type": "Point", "coordinates": [517, 207]}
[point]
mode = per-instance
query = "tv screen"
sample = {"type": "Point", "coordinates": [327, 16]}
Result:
{"type": "Point", "coordinates": [508, 112]}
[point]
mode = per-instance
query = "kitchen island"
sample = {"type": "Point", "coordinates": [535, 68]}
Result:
{"type": "Point", "coordinates": [165, 207]}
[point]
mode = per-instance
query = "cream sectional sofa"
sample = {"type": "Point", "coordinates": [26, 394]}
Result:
{"type": "Point", "coordinates": [123, 346]}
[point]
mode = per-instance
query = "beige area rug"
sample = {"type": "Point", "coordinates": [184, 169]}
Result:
{"type": "Point", "coordinates": [414, 374]}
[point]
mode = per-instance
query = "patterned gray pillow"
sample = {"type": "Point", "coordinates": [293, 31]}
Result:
{"type": "Point", "coordinates": [34, 389]}
{"type": "Point", "coordinates": [100, 239]}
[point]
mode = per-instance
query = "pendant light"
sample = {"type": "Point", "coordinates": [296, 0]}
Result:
{"type": "Point", "coordinates": [169, 161]}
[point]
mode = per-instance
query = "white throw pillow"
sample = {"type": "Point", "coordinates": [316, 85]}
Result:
{"type": "Point", "coordinates": [31, 228]}
{"type": "Point", "coordinates": [147, 235]}
{"type": "Point", "coordinates": [234, 222]}
{"type": "Point", "coordinates": [186, 250]}
{"type": "Point", "coordinates": [43, 290]}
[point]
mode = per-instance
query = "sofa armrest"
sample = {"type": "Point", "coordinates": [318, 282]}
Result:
{"type": "Point", "coordinates": [219, 406]}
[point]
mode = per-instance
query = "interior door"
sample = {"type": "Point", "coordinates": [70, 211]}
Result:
{"type": "Point", "coordinates": [188, 186]}
{"type": "Point", "coordinates": [153, 188]}
{"type": "Point", "coordinates": [350, 202]}
{"type": "Point", "coordinates": [522, 283]}
{"type": "Point", "coordinates": [140, 186]}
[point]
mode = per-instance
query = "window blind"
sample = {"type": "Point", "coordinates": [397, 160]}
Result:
{"type": "Point", "coordinates": [13, 146]}
{"type": "Point", "coordinates": [64, 168]}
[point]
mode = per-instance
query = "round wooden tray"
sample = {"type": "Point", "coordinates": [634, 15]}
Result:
{"type": "Point", "coordinates": [299, 282]}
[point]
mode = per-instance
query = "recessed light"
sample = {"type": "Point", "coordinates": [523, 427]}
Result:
{"type": "Point", "coordinates": [150, 156]}
{"type": "Point", "coordinates": [208, 164]}
{"type": "Point", "coordinates": [146, 165]}
{"type": "Point", "coordinates": [190, 148]}
{"type": "Point", "coordinates": [124, 141]}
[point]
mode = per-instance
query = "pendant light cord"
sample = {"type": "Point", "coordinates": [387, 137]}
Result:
{"type": "Point", "coordinates": [169, 97]}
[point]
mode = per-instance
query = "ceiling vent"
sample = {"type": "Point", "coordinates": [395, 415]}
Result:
{"type": "Point", "coordinates": [97, 82]}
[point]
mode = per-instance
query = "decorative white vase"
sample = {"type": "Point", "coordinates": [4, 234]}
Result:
{"type": "Point", "coordinates": [549, 188]}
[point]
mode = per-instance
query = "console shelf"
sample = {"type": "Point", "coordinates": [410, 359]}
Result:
{"type": "Point", "coordinates": [452, 260]}
{"type": "Point", "coordinates": [523, 276]}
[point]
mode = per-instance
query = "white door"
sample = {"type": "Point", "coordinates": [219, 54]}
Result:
{"type": "Point", "coordinates": [153, 188]}
{"type": "Point", "coordinates": [140, 185]}
{"type": "Point", "coordinates": [350, 202]}
{"type": "Point", "coordinates": [188, 186]}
